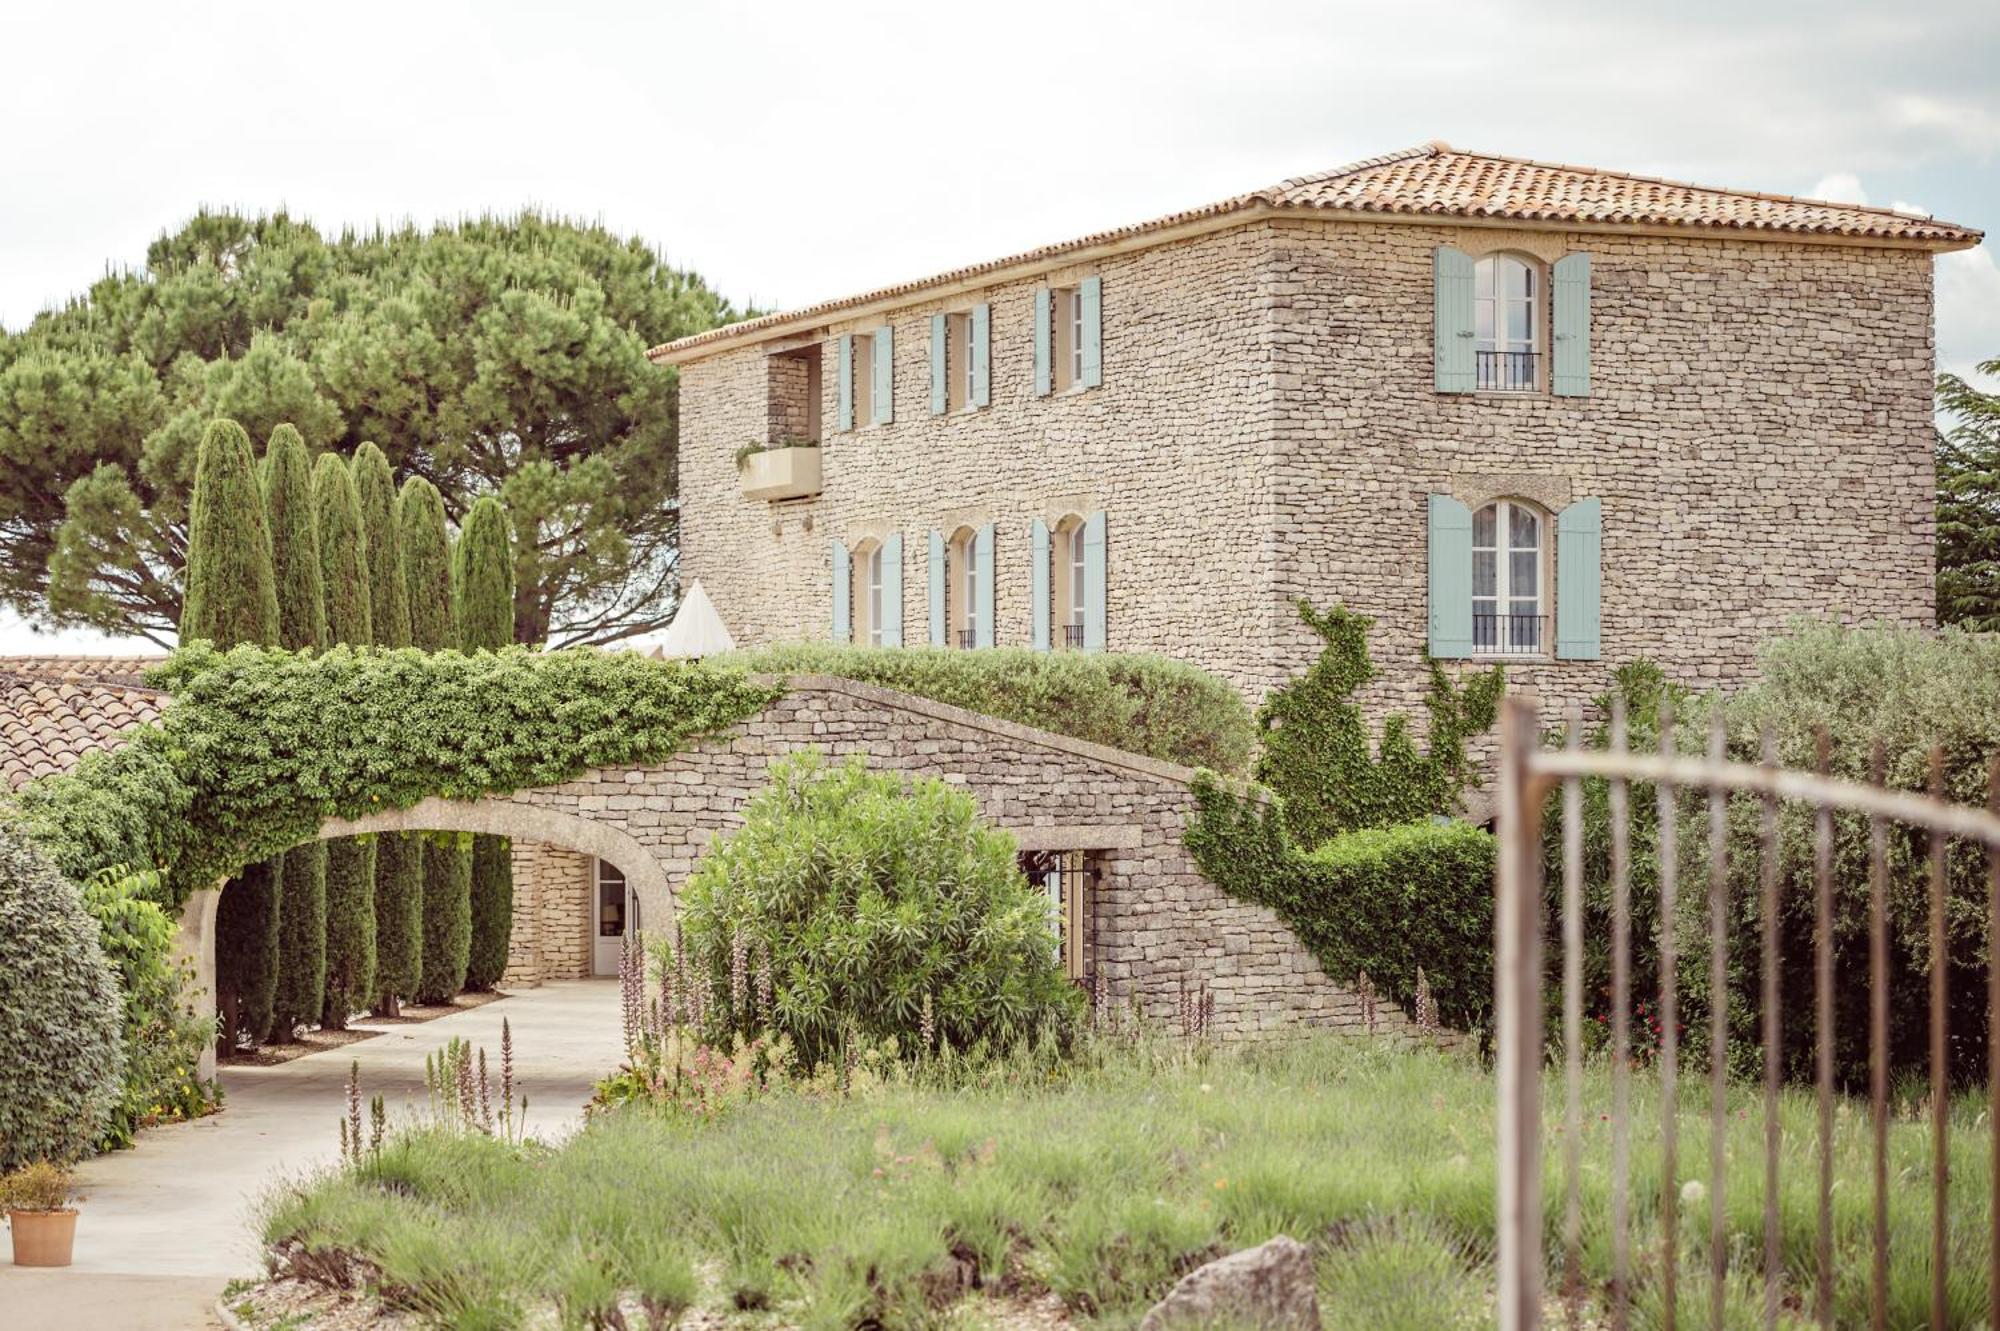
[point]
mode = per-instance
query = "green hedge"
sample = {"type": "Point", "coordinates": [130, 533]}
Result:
{"type": "Point", "coordinates": [1151, 705]}
{"type": "Point", "coordinates": [1382, 900]}
{"type": "Point", "coordinates": [1912, 691]}
{"type": "Point", "coordinates": [260, 746]}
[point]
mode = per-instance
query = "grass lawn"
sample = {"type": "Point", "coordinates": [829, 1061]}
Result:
{"type": "Point", "coordinates": [1099, 1182]}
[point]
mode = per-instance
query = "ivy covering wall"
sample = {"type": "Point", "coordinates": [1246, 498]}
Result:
{"type": "Point", "coordinates": [1350, 843]}
{"type": "Point", "coordinates": [262, 745]}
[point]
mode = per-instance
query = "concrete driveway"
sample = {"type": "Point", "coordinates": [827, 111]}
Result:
{"type": "Point", "coordinates": [166, 1225]}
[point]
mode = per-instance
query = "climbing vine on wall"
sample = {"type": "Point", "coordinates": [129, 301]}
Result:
{"type": "Point", "coordinates": [1344, 840]}
{"type": "Point", "coordinates": [1315, 751]}
{"type": "Point", "coordinates": [261, 746]}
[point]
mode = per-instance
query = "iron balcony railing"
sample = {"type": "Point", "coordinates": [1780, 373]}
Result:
{"type": "Point", "coordinates": [1510, 635]}
{"type": "Point", "coordinates": [1508, 371]}
{"type": "Point", "coordinates": [1072, 635]}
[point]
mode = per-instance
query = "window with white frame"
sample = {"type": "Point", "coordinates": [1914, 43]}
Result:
{"type": "Point", "coordinates": [1069, 334]}
{"type": "Point", "coordinates": [864, 379]}
{"type": "Point", "coordinates": [1507, 323]}
{"type": "Point", "coordinates": [964, 591]}
{"type": "Point", "coordinates": [1070, 582]}
{"type": "Point", "coordinates": [868, 586]}
{"type": "Point", "coordinates": [1509, 542]}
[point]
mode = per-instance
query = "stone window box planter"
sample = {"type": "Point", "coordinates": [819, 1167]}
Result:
{"type": "Point", "coordinates": [781, 473]}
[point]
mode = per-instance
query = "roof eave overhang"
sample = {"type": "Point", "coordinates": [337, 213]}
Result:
{"type": "Point", "coordinates": [792, 330]}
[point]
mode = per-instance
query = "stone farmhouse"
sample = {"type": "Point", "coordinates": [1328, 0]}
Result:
{"type": "Point", "coordinates": [1551, 415]}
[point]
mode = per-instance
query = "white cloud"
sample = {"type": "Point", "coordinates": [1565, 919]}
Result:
{"type": "Point", "coordinates": [1839, 187]}
{"type": "Point", "coordinates": [1968, 312]}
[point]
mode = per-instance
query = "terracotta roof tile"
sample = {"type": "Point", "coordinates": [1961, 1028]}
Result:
{"type": "Point", "coordinates": [1437, 181]}
{"type": "Point", "coordinates": [47, 721]}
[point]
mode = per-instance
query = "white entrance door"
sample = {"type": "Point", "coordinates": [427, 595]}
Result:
{"type": "Point", "coordinates": [610, 916]}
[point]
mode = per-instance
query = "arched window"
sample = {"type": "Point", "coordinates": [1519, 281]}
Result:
{"type": "Point", "coordinates": [963, 593]}
{"type": "Point", "coordinates": [1070, 600]}
{"type": "Point", "coordinates": [869, 610]}
{"type": "Point", "coordinates": [1507, 323]}
{"type": "Point", "coordinates": [1509, 546]}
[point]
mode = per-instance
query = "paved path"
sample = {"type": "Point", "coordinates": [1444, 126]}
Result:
{"type": "Point", "coordinates": [164, 1226]}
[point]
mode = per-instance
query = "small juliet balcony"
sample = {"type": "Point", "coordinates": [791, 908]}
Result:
{"type": "Point", "coordinates": [780, 472]}
{"type": "Point", "coordinates": [1507, 371]}
{"type": "Point", "coordinates": [1510, 635]}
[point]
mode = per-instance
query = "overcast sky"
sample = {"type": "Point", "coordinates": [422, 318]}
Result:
{"type": "Point", "coordinates": [791, 152]}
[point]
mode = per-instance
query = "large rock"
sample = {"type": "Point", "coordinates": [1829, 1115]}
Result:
{"type": "Point", "coordinates": [1267, 1286]}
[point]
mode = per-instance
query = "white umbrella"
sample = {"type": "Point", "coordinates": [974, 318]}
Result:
{"type": "Point", "coordinates": [697, 630]}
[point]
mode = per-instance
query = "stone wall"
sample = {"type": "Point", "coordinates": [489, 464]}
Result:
{"type": "Point", "coordinates": [1758, 429]}
{"type": "Point", "coordinates": [1155, 922]}
{"type": "Point", "coordinates": [1173, 447]}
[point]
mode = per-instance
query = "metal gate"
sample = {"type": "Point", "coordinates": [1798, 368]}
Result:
{"type": "Point", "coordinates": [1529, 773]}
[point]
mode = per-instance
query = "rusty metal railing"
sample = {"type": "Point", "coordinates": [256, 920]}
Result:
{"type": "Point", "coordinates": [1529, 772]}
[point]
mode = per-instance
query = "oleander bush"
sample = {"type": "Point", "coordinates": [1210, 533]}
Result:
{"type": "Point", "coordinates": [61, 1051]}
{"type": "Point", "coordinates": [1151, 705]}
{"type": "Point", "coordinates": [861, 901]}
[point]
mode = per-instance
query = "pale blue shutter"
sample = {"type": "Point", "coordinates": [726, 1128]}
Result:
{"type": "Point", "coordinates": [937, 589]}
{"type": "Point", "coordinates": [982, 362]}
{"type": "Point", "coordinates": [1092, 294]}
{"type": "Point", "coordinates": [1571, 369]}
{"type": "Point", "coordinates": [843, 586]}
{"type": "Point", "coordinates": [1038, 581]}
{"type": "Point", "coordinates": [1579, 580]}
{"type": "Point", "coordinates": [940, 355]}
{"type": "Point", "coordinates": [1453, 359]}
{"type": "Point", "coordinates": [892, 591]}
{"type": "Point", "coordinates": [1093, 583]}
{"type": "Point", "coordinates": [1045, 331]}
{"type": "Point", "coordinates": [843, 361]}
{"type": "Point", "coordinates": [885, 375]}
{"type": "Point", "coordinates": [1451, 577]}
{"type": "Point", "coordinates": [982, 544]}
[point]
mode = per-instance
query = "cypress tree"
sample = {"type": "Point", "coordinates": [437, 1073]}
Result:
{"type": "Point", "coordinates": [231, 596]}
{"type": "Point", "coordinates": [231, 599]}
{"type": "Point", "coordinates": [295, 565]}
{"type": "Point", "coordinates": [482, 598]}
{"type": "Point", "coordinates": [399, 856]}
{"type": "Point", "coordinates": [447, 911]}
{"type": "Point", "coordinates": [350, 861]}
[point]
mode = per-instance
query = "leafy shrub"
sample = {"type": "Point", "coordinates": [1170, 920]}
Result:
{"type": "Point", "coordinates": [1382, 900]}
{"type": "Point", "coordinates": [350, 929]}
{"type": "Point", "coordinates": [261, 746]}
{"type": "Point", "coordinates": [301, 988]}
{"type": "Point", "coordinates": [865, 897]}
{"type": "Point", "coordinates": [1151, 705]}
{"type": "Point", "coordinates": [1910, 690]}
{"type": "Point", "coordinates": [59, 1013]}
{"type": "Point", "coordinates": [447, 917]}
{"type": "Point", "coordinates": [246, 951]}
{"type": "Point", "coordinates": [1315, 751]}
{"type": "Point", "coordinates": [163, 1039]}
{"type": "Point", "coordinates": [492, 910]}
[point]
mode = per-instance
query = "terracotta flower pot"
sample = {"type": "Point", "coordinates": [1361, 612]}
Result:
{"type": "Point", "coordinates": [42, 1238]}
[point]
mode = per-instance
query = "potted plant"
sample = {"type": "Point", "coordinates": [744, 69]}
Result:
{"type": "Point", "coordinates": [37, 1198]}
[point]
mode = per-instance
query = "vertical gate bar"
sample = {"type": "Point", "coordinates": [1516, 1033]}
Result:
{"type": "Point", "coordinates": [1572, 962]}
{"type": "Point", "coordinates": [1670, 1044]}
{"type": "Point", "coordinates": [1767, 874]}
{"type": "Point", "coordinates": [1823, 1029]}
{"type": "Point", "coordinates": [1878, 1042]}
{"type": "Point", "coordinates": [1621, 1029]}
{"type": "Point", "coordinates": [1718, 1028]}
{"type": "Point", "coordinates": [1518, 1020]}
{"type": "Point", "coordinates": [1940, 1053]}
{"type": "Point", "coordinates": [1993, 1047]}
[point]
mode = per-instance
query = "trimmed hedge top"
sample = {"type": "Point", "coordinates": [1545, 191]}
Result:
{"type": "Point", "coordinates": [261, 746]}
{"type": "Point", "coordinates": [1152, 705]}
